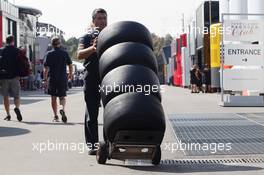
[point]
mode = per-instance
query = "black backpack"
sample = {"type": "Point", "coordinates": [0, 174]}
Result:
{"type": "Point", "coordinates": [3, 73]}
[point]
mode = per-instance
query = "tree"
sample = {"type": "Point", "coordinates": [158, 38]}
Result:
{"type": "Point", "coordinates": [160, 42]}
{"type": "Point", "coordinates": [168, 39]}
{"type": "Point", "coordinates": [72, 45]}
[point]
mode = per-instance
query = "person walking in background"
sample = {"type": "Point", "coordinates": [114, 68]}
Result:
{"type": "Point", "coordinates": [31, 79]}
{"type": "Point", "coordinates": [198, 80]}
{"type": "Point", "coordinates": [38, 80]}
{"type": "Point", "coordinates": [193, 78]}
{"type": "Point", "coordinates": [24, 78]}
{"type": "Point", "coordinates": [24, 83]}
{"type": "Point", "coordinates": [10, 82]}
{"type": "Point", "coordinates": [55, 64]}
{"type": "Point", "coordinates": [207, 79]}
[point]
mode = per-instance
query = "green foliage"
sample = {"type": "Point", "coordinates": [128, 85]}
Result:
{"type": "Point", "coordinates": [71, 45]}
{"type": "Point", "coordinates": [168, 39]}
{"type": "Point", "coordinates": [160, 42]}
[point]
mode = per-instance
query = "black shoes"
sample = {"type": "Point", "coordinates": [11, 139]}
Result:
{"type": "Point", "coordinates": [56, 119]}
{"type": "Point", "coordinates": [19, 116]}
{"type": "Point", "coordinates": [63, 116]}
{"type": "Point", "coordinates": [8, 118]}
{"type": "Point", "coordinates": [92, 152]}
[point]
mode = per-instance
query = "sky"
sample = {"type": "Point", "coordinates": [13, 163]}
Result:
{"type": "Point", "coordinates": [73, 17]}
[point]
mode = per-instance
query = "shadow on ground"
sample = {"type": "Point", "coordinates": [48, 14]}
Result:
{"type": "Point", "coordinates": [191, 168]}
{"type": "Point", "coordinates": [7, 131]}
{"type": "Point", "coordinates": [54, 123]}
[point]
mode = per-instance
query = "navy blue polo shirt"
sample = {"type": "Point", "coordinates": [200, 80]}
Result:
{"type": "Point", "coordinates": [9, 61]}
{"type": "Point", "coordinates": [91, 63]}
{"type": "Point", "coordinates": [57, 60]}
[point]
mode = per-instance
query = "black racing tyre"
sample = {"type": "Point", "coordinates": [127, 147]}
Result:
{"type": "Point", "coordinates": [129, 78]}
{"type": "Point", "coordinates": [123, 31]}
{"type": "Point", "coordinates": [102, 153]}
{"type": "Point", "coordinates": [133, 112]}
{"type": "Point", "coordinates": [128, 53]}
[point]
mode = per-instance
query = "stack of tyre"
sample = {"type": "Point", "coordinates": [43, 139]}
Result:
{"type": "Point", "coordinates": [128, 68]}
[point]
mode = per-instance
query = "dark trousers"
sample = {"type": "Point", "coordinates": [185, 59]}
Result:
{"type": "Point", "coordinates": [92, 100]}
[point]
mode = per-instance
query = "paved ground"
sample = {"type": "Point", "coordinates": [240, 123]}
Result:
{"type": "Point", "coordinates": [19, 142]}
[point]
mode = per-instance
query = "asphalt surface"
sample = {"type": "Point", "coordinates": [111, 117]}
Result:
{"type": "Point", "coordinates": [29, 147]}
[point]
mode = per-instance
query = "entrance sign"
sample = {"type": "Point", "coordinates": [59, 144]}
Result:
{"type": "Point", "coordinates": [244, 54]}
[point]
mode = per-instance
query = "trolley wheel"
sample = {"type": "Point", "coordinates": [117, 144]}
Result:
{"type": "Point", "coordinates": [102, 153]}
{"type": "Point", "coordinates": [157, 156]}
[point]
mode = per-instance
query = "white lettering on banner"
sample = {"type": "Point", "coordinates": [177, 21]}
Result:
{"type": "Point", "coordinates": [244, 54]}
{"type": "Point", "coordinates": [244, 30]}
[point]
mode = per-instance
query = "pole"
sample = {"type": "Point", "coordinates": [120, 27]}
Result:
{"type": "Point", "coordinates": [222, 63]}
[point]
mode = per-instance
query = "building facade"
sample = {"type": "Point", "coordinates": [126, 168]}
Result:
{"type": "Point", "coordinates": [9, 21]}
{"type": "Point", "coordinates": [49, 30]}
